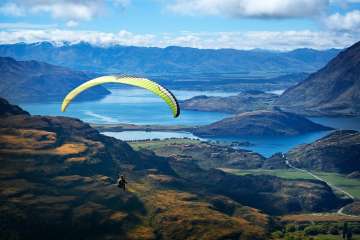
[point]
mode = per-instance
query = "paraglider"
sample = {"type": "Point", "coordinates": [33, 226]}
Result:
{"type": "Point", "coordinates": [154, 87]}
{"type": "Point", "coordinates": [122, 182]}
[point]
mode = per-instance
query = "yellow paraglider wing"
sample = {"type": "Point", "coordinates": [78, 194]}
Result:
{"type": "Point", "coordinates": [159, 90]}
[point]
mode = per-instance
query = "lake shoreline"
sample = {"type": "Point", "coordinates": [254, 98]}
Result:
{"type": "Point", "coordinates": [121, 127]}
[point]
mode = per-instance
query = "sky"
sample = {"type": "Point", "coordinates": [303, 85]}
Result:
{"type": "Point", "coordinates": [239, 24]}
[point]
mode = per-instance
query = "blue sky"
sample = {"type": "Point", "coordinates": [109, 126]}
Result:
{"type": "Point", "coordinates": [241, 24]}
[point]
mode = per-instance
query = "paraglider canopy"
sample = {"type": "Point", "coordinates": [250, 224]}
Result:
{"type": "Point", "coordinates": [154, 87]}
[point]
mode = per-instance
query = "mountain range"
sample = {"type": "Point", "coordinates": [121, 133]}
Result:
{"type": "Point", "coordinates": [332, 91]}
{"type": "Point", "coordinates": [174, 60]}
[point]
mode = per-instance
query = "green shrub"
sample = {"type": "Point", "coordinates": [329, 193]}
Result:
{"type": "Point", "coordinates": [323, 228]}
{"type": "Point", "coordinates": [277, 235]}
{"type": "Point", "coordinates": [297, 236]}
{"type": "Point", "coordinates": [290, 228]}
{"type": "Point", "coordinates": [301, 227]}
{"type": "Point", "coordinates": [312, 230]}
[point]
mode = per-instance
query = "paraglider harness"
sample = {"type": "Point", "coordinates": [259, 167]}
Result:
{"type": "Point", "coordinates": [122, 182]}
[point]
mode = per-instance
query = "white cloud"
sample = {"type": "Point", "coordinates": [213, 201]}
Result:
{"type": "Point", "coordinates": [71, 23]}
{"type": "Point", "coordinates": [68, 10]}
{"type": "Point", "coordinates": [11, 9]}
{"type": "Point", "coordinates": [253, 8]}
{"type": "Point", "coordinates": [349, 22]}
{"type": "Point", "coordinates": [59, 36]}
{"type": "Point", "coordinates": [79, 10]}
{"type": "Point", "coordinates": [344, 1]}
{"type": "Point", "coordinates": [24, 25]}
{"type": "Point", "coordinates": [275, 40]}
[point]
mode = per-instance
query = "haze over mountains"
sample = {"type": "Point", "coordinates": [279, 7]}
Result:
{"type": "Point", "coordinates": [333, 90]}
{"type": "Point", "coordinates": [175, 60]}
{"type": "Point", "coordinates": [39, 81]}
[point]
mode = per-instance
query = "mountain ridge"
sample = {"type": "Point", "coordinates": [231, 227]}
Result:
{"type": "Point", "coordinates": [172, 59]}
{"type": "Point", "coordinates": [274, 122]}
{"type": "Point", "coordinates": [339, 85]}
{"type": "Point", "coordinates": [38, 81]}
{"type": "Point", "coordinates": [336, 152]}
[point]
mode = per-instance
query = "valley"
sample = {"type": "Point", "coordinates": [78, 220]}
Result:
{"type": "Point", "coordinates": [338, 180]}
{"type": "Point", "coordinates": [68, 167]}
{"type": "Point", "coordinates": [253, 164]}
{"type": "Point", "coordinates": [248, 170]}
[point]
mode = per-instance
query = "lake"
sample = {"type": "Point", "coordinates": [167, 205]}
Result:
{"type": "Point", "coordinates": [266, 146]}
{"type": "Point", "coordinates": [141, 135]}
{"type": "Point", "coordinates": [138, 106]}
{"type": "Point", "coordinates": [129, 105]}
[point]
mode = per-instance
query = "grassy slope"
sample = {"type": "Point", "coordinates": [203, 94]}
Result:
{"type": "Point", "coordinates": [206, 154]}
{"type": "Point", "coordinates": [333, 237]}
{"type": "Point", "coordinates": [350, 185]}
{"type": "Point", "coordinates": [338, 180]}
{"type": "Point", "coordinates": [168, 209]}
{"type": "Point", "coordinates": [283, 173]}
{"type": "Point", "coordinates": [152, 145]}
{"type": "Point", "coordinates": [60, 179]}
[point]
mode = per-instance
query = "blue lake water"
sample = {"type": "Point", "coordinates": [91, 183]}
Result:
{"type": "Point", "coordinates": [345, 123]}
{"type": "Point", "coordinates": [267, 146]}
{"type": "Point", "coordinates": [141, 107]}
{"type": "Point", "coordinates": [135, 106]}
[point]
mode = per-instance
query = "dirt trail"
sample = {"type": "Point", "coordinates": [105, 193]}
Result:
{"type": "Point", "coordinates": [340, 211]}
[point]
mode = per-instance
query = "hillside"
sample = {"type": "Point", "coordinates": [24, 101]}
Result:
{"type": "Point", "coordinates": [6, 109]}
{"type": "Point", "coordinates": [174, 60]}
{"type": "Point", "coordinates": [204, 154]}
{"type": "Point", "coordinates": [337, 152]}
{"type": "Point", "coordinates": [261, 123]}
{"type": "Point", "coordinates": [339, 85]}
{"type": "Point", "coordinates": [57, 173]}
{"type": "Point", "coordinates": [243, 102]}
{"type": "Point", "coordinates": [38, 81]}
